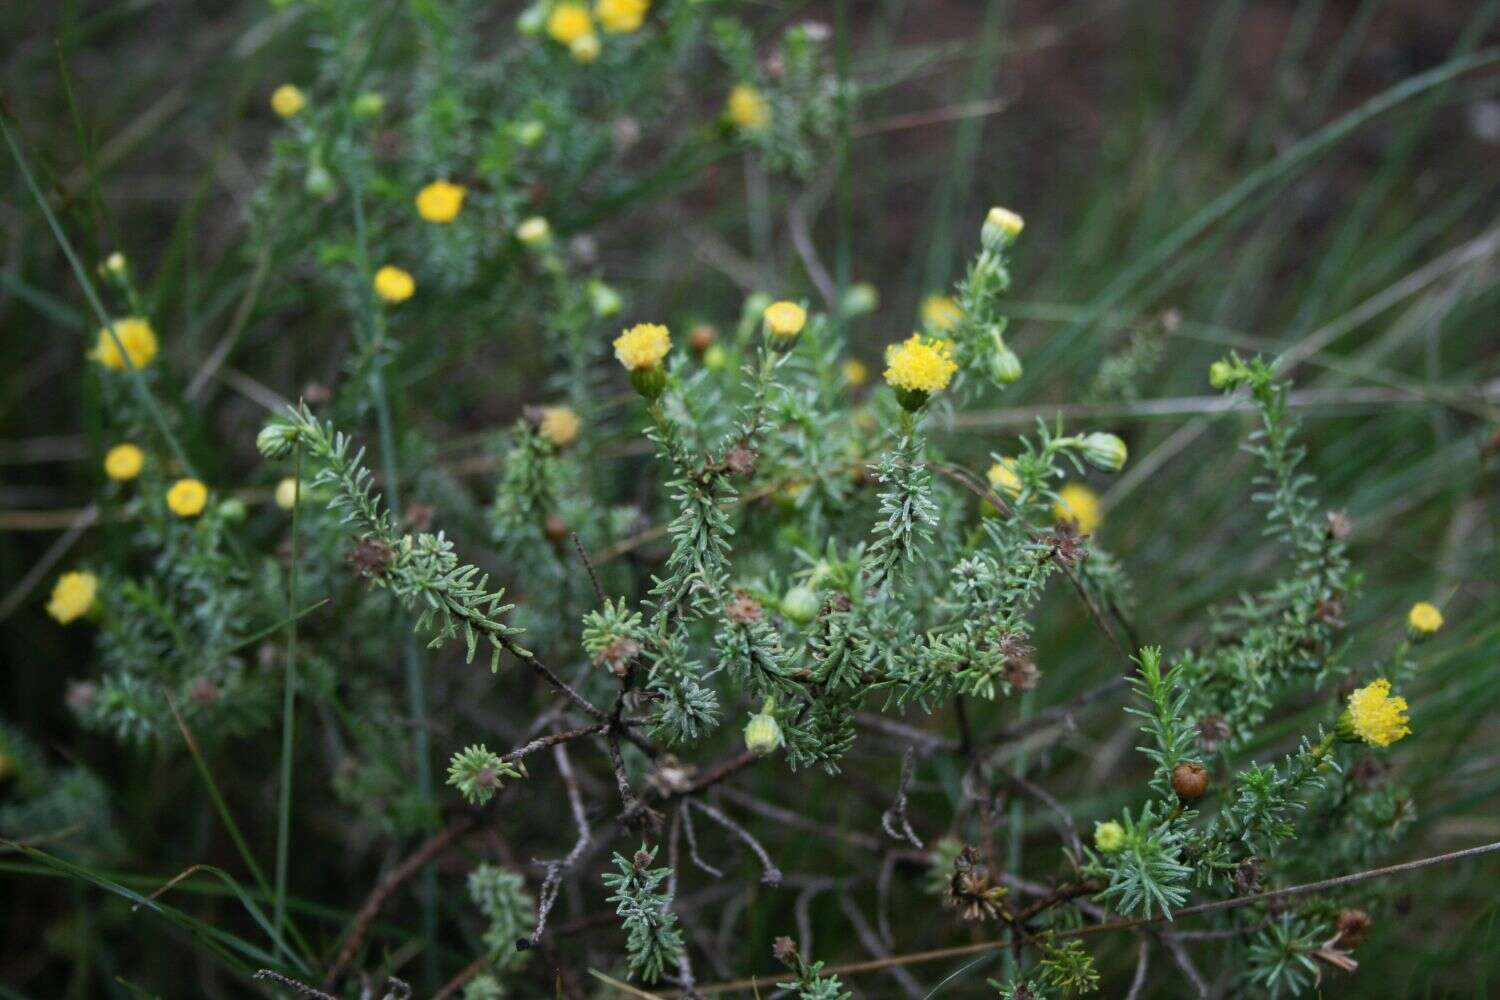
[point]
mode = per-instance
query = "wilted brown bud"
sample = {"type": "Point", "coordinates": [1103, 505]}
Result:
{"type": "Point", "coordinates": [740, 460]}
{"type": "Point", "coordinates": [1339, 525]}
{"type": "Point", "coordinates": [743, 609]}
{"type": "Point", "coordinates": [533, 417]}
{"type": "Point", "coordinates": [204, 691]}
{"type": "Point", "coordinates": [419, 516]}
{"type": "Point", "coordinates": [369, 556]}
{"type": "Point", "coordinates": [1190, 781]}
{"type": "Point", "coordinates": [618, 656]}
{"type": "Point", "coordinates": [1247, 877]}
{"type": "Point", "coordinates": [1022, 674]}
{"type": "Point", "coordinates": [784, 950]}
{"type": "Point", "coordinates": [81, 695]}
{"type": "Point", "coordinates": [702, 337]}
{"type": "Point", "coordinates": [316, 394]}
{"type": "Point", "coordinates": [1353, 926]}
{"type": "Point", "coordinates": [1330, 611]}
{"type": "Point", "coordinates": [1067, 543]}
{"type": "Point", "coordinates": [1213, 730]}
{"type": "Point", "coordinates": [642, 859]}
{"type": "Point", "coordinates": [555, 528]}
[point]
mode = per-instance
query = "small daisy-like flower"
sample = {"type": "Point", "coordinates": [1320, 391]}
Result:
{"type": "Point", "coordinates": [747, 108]}
{"type": "Point", "coordinates": [393, 284]}
{"type": "Point", "coordinates": [1375, 715]}
{"type": "Point", "coordinates": [643, 346]}
{"type": "Point", "coordinates": [559, 425]}
{"type": "Point", "coordinates": [1109, 837]}
{"type": "Point", "coordinates": [287, 493]}
{"type": "Point", "coordinates": [1076, 502]}
{"type": "Point", "coordinates": [919, 367]}
{"type": "Point", "coordinates": [123, 462]}
{"type": "Point", "coordinates": [785, 319]}
{"type": "Point", "coordinates": [136, 336]}
{"type": "Point", "coordinates": [1424, 618]}
{"type": "Point", "coordinates": [441, 201]}
{"type": "Point", "coordinates": [288, 101]}
{"type": "Point", "coordinates": [940, 313]}
{"type": "Point", "coordinates": [73, 596]}
{"type": "Point", "coordinates": [569, 22]}
{"type": "Point", "coordinates": [621, 17]}
{"type": "Point", "coordinates": [1003, 478]}
{"type": "Point", "coordinates": [187, 497]}
{"type": "Point", "coordinates": [855, 372]}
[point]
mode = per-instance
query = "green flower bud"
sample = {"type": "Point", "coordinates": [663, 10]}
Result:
{"type": "Point", "coordinates": [532, 19]}
{"type": "Point", "coordinates": [649, 382]}
{"type": "Point", "coordinates": [911, 400]}
{"type": "Point", "coordinates": [370, 104]}
{"type": "Point", "coordinates": [1221, 374]}
{"type": "Point", "coordinates": [715, 358]}
{"type": "Point", "coordinates": [763, 732]}
{"type": "Point", "coordinates": [318, 182]}
{"type": "Point", "coordinates": [1005, 367]}
{"type": "Point", "coordinates": [800, 604]}
{"type": "Point", "coordinates": [276, 439]}
{"type": "Point", "coordinates": [1109, 837]}
{"type": "Point", "coordinates": [534, 232]}
{"type": "Point", "coordinates": [1104, 451]}
{"type": "Point", "coordinates": [529, 133]}
{"type": "Point", "coordinates": [860, 299]}
{"type": "Point", "coordinates": [232, 510]}
{"type": "Point", "coordinates": [604, 300]}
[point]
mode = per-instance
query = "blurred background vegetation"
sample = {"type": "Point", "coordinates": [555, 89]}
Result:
{"type": "Point", "coordinates": [1183, 195]}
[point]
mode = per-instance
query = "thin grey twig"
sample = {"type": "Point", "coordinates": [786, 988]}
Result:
{"type": "Point", "coordinates": [876, 947]}
{"type": "Point", "coordinates": [896, 814]}
{"type": "Point", "coordinates": [588, 564]}
{"type": "Point", "coordinates": [301, 989]}
{"type": "Point", "coordinates": [554, 869]}
{"type": "Point", "coordinates": [692, 839]}
{"type": "Point", "coordinates": [770, 874]}
{"type": "Point", "coordinates": [1185, 963]}
{"type": "Point", "coordinates": [1142, 967]}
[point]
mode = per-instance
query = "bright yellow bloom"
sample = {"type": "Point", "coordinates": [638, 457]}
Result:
{"type": "Point", "coordinates": [569, 22]}
{"type": "Point", "coordinates": [855, 372]}
{"type": "Point", "coordinates": [288, 101]}
{"type": "Point", "coordinates": [287, 493]}
{"type": "Point", "coordinates": [440, 201]}
{"type": "Point", "coordinates": [1424, 618]}
{"type": "Point", "coordinates": [643, 346]}
{"type": "Point", "coordinates": [747, 108]}
{"type": "Point", "coordinates": [785, 319]}
{"type": "Point", "coordinates": [1109, 837]}
{"type": "Point", "coordinates": [920, 365]}
{"type": "Point", "coordinates": [1003, 478]}
{"type": "Point", "coordinates": [559, 425]}
{"type": "Point", "coordinates": [138, 339]}
{"type": "Point", "coordinates": [394, 284]}
{"type": "Point", "coordinates": [187, 497]}
{"type": "Point", "coordinates": [1000, 225]}
{"type": "Point", "coordinates": [73, 596]}
{"type": "Point", "coordinates": [123, 462]}
{"type": "Point", "coordinates": [620, 17]}
{"type": "Point", "coordinates": [1375, 716]}
{"type": "Point", "coordinates": [1077, 502]}
{"type": "Point", "coordinates": [940, 312]}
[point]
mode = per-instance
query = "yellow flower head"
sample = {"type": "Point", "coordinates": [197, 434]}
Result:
{"type": "Point", "coordinates": [287, 493]}
{"type": "Point", "coordinates": [559, 425]}
{"type": "Point", "coordinates": [72, 596]}
{"type": "Point", "coordinates": [1003, 478]}
{"type": "Point", "coordinates": [123, 462]}
{"type": "Point", "coordinates": [620, 17]}
{"type": "Point", "coordinates": [187, 497]}
{"type": "Point", "coordinates": [394, 284]}
{"type": "Point", "coordinates": [940, 312]}
{"type": "Point", "coordinates": [569, 22]}
{"type": "Point", "coordinates": [1375, 716]}
{"type": "Point", "coordinates": [920, 365]}
{"type": "Point", "coordinates": [1424, 618]}
{"type": "Point", "coordinates": [440, 201]}
{"type": "Point", "coordinates": [138, 339]}
{"type": "Point", "coordinates": [288, 101]}
{"type": "Point", "coordinates": [747, 108]}
{"type": "Point", "coordinates": [855, 372]}
{"type": "Point", "coordinates": [785, 319]}
{"type": "Point", "coordinates": [1003, 222]}
{"type": "Point", "coordinates": [1109, 837]}
{"type": "Point", "coordinates": [1076, 502]}
{"type": "Point", "coordinates": [643, 346]}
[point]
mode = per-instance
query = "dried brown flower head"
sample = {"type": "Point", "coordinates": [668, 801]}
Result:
{"type": "Point", "coordinates": [971, 891]}
{"type": "Point", "coordinates": [1190, 781]}
{"type": "Point", "coordinates": [1213, 731]}
{"type": "Point", "coordinates": [369, 557]}
{"type": "Point", "coordinates": [743, 609]}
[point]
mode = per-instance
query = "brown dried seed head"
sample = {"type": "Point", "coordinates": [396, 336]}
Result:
{"type": "Point", "coordinates": [1353, 926]}
{"type": "Point", "coordinates": [743, 609]}
{"type": "Point", "coordinates": [1190, 781]}
{"type": "Point", "coordinates": [1022, 674]}
{"type": "Point", "coordinates": [784, 950]}
{"type": "Point", "coordinates": [369, 556]}
{"type": "Point", "coordinates": [702, 337]}
{"type": "Point", "coordinates": [1339, 525]}
{"type": "Point", "coordinates": [740, 460]}
{"type": "Point", "coordinates": [1212, 731]}
{"type": "Point", "coordinates": [555, 527]}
